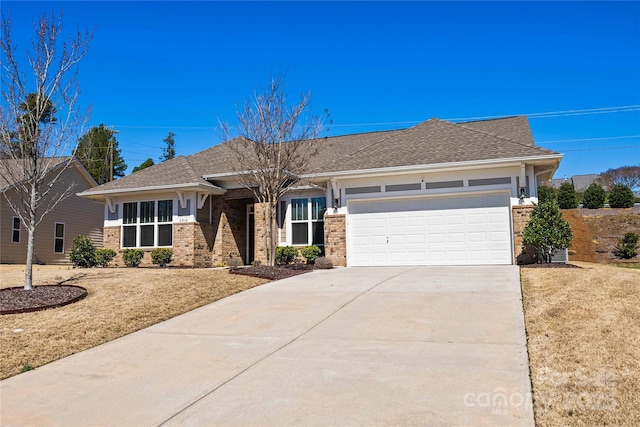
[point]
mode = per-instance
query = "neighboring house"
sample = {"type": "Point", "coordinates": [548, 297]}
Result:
{"type": "Point", "coordinates": [436, 193]}
{"type": "Point", "coordinates": [54, 235]}
{"type": "Point", "coordinates": [580, 182]}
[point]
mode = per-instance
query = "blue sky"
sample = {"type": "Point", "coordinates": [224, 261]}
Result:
{"type": "Point", "coordinates": [155, 67]}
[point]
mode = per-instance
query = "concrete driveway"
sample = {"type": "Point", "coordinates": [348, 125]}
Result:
{"type": "Point", "coordinates": [356, 346]}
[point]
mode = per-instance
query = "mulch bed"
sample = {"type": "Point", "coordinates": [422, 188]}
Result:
{"type": "Point", "coordinates": [273, 272]}
{"type": "Point", "coordinates": [550, 265]}
{"type": "Point", "coordinates": [18, 300]}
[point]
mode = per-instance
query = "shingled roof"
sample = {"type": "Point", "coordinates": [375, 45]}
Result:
{"type": "Point", "coordinates": [12, 170]}
{"type": "Point", "coordinates": [431, 142]}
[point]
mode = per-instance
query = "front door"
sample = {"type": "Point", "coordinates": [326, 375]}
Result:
{"type": "Point", "coordinates": [250, 235]}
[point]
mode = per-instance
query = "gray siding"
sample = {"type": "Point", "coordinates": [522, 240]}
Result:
{"type": "Point", "coordinates": [79, 215]}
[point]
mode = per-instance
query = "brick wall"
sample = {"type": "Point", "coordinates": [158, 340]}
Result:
{"type": "Point", "coordinates": [521, 215]}
{"type": "Point", "coordinates": [228, 229]}
{"type": "Point", "coordinates": [335, 239]}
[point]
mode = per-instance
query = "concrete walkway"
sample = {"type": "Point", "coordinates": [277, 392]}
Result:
{"type": "Point", "coordinates": [357, 346]}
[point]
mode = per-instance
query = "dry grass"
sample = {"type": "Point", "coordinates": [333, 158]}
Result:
{"type": "Point", "coordinates": [120, 301]}
{"type": "Point", "coordinates": [583, 328]}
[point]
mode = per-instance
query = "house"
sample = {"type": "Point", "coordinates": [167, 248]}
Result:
{"type": "Point", "coordinates": [438, 193]}
{"type": "Point", "coordinates": [54, 235]}
{"type": "Point", "coordinates": [580, 182]}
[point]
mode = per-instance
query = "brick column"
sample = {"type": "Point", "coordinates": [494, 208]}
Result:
{"type": "Point", "coordinates": [261, 218]}
{"type": "Point", "coordinates": [521, 215]}
{"type": "Point", "coordinates": [111, 240]}
{"type": "Point", "coordinates": [335, 239]}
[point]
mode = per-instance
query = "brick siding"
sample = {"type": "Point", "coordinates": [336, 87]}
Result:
{"type": "Point", "coordinates": [521, 215]}
{"type": "Point", "coordinates": [335, 239]}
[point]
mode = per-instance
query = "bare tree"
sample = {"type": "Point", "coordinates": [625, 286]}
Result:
{"type": "Point", "coordinates": [272, 143]}
{"type": "Point", "coordinates": [625, 175]}
{"type": "Point", "coordinates": [39, 120]}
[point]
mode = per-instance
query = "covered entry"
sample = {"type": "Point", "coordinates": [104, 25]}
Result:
{"type": "Point", "coordinates": [456, 230]}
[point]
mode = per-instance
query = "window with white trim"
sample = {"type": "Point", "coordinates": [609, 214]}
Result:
{"type": "Point", "coordinates": [147, 224]}
{"type": "Point", "coordinates": [58, 238]}
{"type": "Point", "coordinates": [307, 221]}
{"type": "Point", "coordinates": [15, 230]}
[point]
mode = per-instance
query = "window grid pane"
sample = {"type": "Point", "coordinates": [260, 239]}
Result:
{"type": "Point", "coordinates": [129, 213]}
{"type": "Point", "coordinates": [59, 230]}
{"type": "Point", "coordinates": [299, 210]}
{"type": "Point", "coordinates": [318, 233]}
{"type": "Point", "coordinates": [165, 237]}
{"type": "Point", "coordinates": [318, 208]}
{"type": "Point", "coordinates": [165, 211]}
{"type": "Point", "coordinates": [147, 212]}
{"type": "Point", "coordinates": [129, 237]}
{"type": "Point", "coordinates": [146, 235]}
{"type": "Point", "coordinates": [300, 233]}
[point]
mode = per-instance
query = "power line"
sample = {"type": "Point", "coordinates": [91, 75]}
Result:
{"type": "Point", "coordinates": [588, 139]}
{"type": "Point", "coordinates": [537, 115]}
{"type": "Point", "coordinates": [604, 148]}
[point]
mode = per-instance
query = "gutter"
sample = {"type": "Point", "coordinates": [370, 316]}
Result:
{"type": "Point", "coordinates": [213, 189]}
{"type": "Point", "coordinates": [475, 164]}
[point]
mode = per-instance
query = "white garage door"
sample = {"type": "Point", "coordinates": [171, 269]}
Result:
{"type": "Point", "coordinates": [473, 229]}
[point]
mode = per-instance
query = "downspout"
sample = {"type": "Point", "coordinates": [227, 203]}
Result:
{"type": "Point", "coordinates": [540, 173]}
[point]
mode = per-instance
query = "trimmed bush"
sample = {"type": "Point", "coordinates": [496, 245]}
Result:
{"type": "Point", "coordinates": [234, 262]}
{"type": "Point", "coordinates": [546, 193]}
{"type": "Point", "coordinates": [547, 231]}
{"type": "Point", "coordinates": [567, 197]}
{"type": "Point", "coordinates": [83, 252]}
{"type": "Point", "coordinates": [286, 254]}
{"type": "Point", "coordinates": [161, 256]}
{"type": "Point", "coordinates": [104, 256]}
{"type": "Point", "coordinates": [132, 257]}
{"type": "Point", "coordinates": [310, 253]}
{"type": "Point", "coordinates": [594, 197]}
{"type": "Point", "coordinates": [323, 263]}
{"type": "Point", "coordinates": [627, 246]}
{"type": "Point", "coordinates": [621, 196]}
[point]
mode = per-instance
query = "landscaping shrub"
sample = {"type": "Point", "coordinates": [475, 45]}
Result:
{"type": "Point", "coordinates": [234, 262]}
{"type": "Point", "coordinates": [310, 253]}
{"type": "Point", "coordinates": [594, 197]}
{"type": "Point", "coordinates": [286, 254]}
{"type": "Point", "coordinates": [83, 252]}
{"type": "Point", "coordinates": [546, 193]}
{"type": "Point", "coordinates": [104, 256]}
{"type": "Point", "coordinates": [627, 246]}
{"type": "Point", "coordinates": [132, 257]}
{"type": "Point", "coordinates": [546, 230]}
{"type": "Point", "coordinates": [567, 197]}
{"type": "Point", "coordinates": [323, 263]}
{"type": "Point", "coordinates": [621, 196]}
{"type": "Point", "coordinates": [161, 256]}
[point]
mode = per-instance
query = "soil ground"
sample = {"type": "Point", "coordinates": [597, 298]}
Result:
{"type": "Point", "coordinates": [596, 232]}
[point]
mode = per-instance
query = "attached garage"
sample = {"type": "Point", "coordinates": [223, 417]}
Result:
{"type": "Point", "coordinates": [457, 230]}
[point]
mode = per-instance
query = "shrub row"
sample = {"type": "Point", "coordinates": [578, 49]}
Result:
{"type": "Point", "coordinates": [84, 254]}
{"type": "Point", "coordinates": [620, 196]}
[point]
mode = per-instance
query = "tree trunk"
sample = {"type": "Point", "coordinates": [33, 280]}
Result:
{"type": "Point", "coordinates": [31, 234]}
{"type": "Point", "coordinates": [271, 233]}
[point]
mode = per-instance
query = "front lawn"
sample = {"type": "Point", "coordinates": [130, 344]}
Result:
{"type": "Point", "coordinates": [120, 301]}
{"type": "Point", "coordinates": [583, 332]}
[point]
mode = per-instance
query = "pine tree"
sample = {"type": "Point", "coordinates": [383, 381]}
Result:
{"type": "Point", "coordinates": [169, 151]}
{"type": "Point", "coordinates": [99, 153]}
